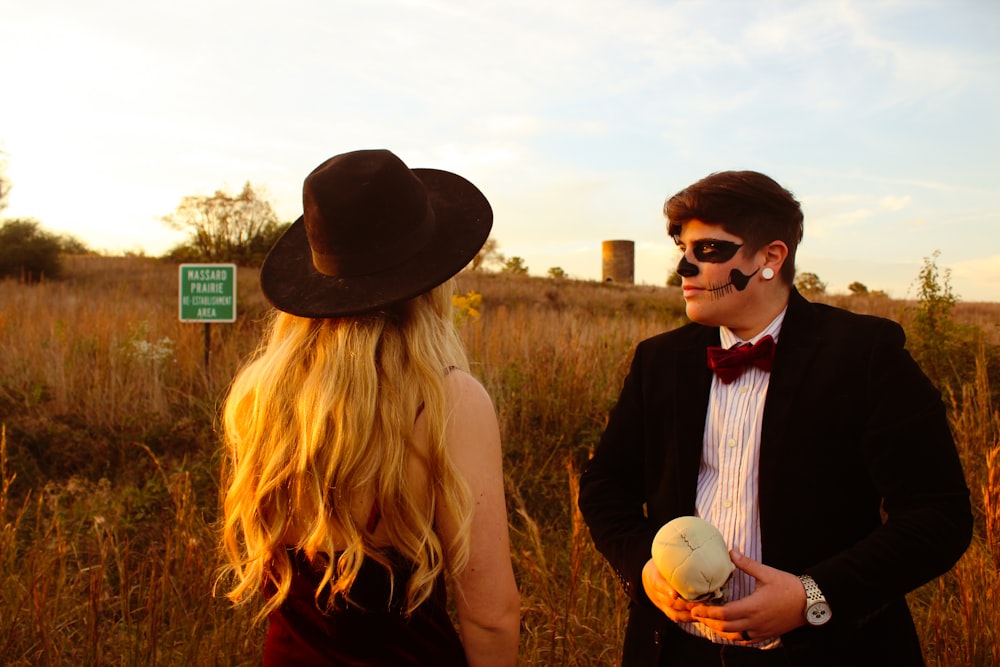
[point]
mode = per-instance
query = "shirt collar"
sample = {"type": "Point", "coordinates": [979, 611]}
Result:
{"type": "Point", "coordinates": [728, 339]}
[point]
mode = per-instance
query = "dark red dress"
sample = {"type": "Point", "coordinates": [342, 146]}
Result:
{"type": "Point", "coordinates": [367, 629]}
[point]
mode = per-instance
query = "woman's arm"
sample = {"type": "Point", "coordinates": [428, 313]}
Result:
{"type": "Point", "coordinates": [486, 595]}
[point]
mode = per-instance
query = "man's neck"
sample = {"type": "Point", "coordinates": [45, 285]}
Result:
{"type": "Point", "coordinates": [762, 312]}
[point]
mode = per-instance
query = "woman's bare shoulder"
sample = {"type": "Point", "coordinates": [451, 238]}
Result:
{"type": "Point", "coordinates": [464, 388]}
{"type": "Point", "coordinates": [472, 417]}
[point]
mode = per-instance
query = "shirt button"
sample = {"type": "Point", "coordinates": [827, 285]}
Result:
{"type": "Point", "coordinates": [743, 389]}
{"type": "Point", "coordinates": [727, 503]}
{"type": "Point", "coordinates": [731, 442]}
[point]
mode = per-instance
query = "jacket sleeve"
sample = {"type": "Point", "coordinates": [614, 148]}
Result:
{"type": "Point", "coordinates": [612, 488]}
{"type": "Point", "coordinates": [910, 458]}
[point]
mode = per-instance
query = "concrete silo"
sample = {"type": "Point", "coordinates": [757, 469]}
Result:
{"type": "Point", "coordinates": [618, 262]}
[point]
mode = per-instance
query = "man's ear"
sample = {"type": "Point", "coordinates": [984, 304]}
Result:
{"type": "Point", "coordinates": [774, 255]}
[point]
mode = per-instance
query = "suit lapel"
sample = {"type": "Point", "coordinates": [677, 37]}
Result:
{"type": "Point", "coordinates": [693, 383]}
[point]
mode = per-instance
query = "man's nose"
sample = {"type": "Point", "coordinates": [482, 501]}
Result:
{"type": "Point", "coordinates": [685, 268]}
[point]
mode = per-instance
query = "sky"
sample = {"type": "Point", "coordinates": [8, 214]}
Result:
{"type": "Point", "coordinates": [576, 118]}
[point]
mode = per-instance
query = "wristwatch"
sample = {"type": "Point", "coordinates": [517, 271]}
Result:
{"type": "Point", "coordinates": [817, 609]}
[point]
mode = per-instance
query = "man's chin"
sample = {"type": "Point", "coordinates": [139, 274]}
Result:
{"type": "Point", "coordinates": [697, 312]}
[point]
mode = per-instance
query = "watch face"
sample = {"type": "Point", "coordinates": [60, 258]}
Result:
{"type": "Point", "coordinates": [818, 613]}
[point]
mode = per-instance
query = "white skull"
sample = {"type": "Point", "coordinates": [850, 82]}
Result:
{"type": "Point", "coordinates": [692, 556]}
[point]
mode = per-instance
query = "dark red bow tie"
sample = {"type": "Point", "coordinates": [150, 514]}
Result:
{"type": "Point", "coordinates": [730, 364]}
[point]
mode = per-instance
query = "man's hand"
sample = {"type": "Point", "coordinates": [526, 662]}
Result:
{"type": "Point", "coordinates": [663, 595]}
{"type": "Point", "coordinates": [776, 606]}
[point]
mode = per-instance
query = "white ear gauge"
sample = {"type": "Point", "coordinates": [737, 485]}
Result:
{"type": "Point", "coordinates": [767, 273]}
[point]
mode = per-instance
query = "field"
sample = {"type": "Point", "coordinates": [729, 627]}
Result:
{"type": "Point", "coordinates": [109, 463]}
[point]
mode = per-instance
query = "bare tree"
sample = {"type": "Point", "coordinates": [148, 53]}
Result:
{"type": "Point", "coordinates": [227, 228]}
{"type": "Point", "coordinates": [4, 183]}
{"type": "Point", "coordinates": [487, 255]}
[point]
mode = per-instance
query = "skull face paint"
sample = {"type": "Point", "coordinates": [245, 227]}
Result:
{"type": "Point", "coordinates": [686, 269]}
{"type": "Point", "coordinates": [737, 280]}
{"type": "Point", "coordinates": [711, 251]}
{"type": "Point", "coordinates": [714, 294]}
{"type": "Point", "coordinates": [714, 251]}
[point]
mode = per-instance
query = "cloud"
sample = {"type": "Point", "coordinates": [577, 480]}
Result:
{"type": "Point", "coordinates": [894, 203]}
{"type": "Point", "coordinates": [983, 273]}
{"type": "Point", "coordinates": [575, 117]}
{"type": "Point", "coordinates": [930, 70]}
{"type": "Point", "coordinates": [514, 125]}
{"type": "Point", "coordinates": [829, 214]}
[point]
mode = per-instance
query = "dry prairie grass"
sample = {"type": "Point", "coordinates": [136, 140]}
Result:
{"type": "Point", "coordinates": [109, 467]}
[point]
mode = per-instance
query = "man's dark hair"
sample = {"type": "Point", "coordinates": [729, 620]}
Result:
{"type": "Point", "coordinates": [747, 204]}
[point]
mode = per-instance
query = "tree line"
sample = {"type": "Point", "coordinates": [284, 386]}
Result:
{"type": "Point", "coordinates": [239, 228]}
{"type": "Point", "coordinates": [222, 227]}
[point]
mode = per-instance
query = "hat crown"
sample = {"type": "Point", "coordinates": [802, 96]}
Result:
{"type": "Point", "coordinates": [373, 232]}
{"type": "Point", "coordinates": [364, 212]}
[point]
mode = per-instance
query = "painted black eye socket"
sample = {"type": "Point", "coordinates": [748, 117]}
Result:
{"type": "Point", "coordinates": [715, 251]}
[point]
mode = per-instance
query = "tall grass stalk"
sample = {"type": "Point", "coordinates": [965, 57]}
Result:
{"type": "Point", "coordinates": [109, 466]}
{"type": "Point", "coordinates": [82, 586]}
{"type": "Point", "coordinates": [956, 614]}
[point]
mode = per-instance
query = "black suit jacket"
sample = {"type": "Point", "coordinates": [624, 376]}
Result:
{"type": "Point", "coordinates": [860, 483]}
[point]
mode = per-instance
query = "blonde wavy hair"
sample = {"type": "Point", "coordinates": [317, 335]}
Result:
{"type": "Point", "coordinates": [322, 416]}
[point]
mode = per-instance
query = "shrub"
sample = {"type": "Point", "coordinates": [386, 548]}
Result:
{"type": "Point", "coordinates": [28, 252]}
{"type": "Point", "coordinates": [944, 349]}
{"type": "Point", "coordinates": [809, 283]}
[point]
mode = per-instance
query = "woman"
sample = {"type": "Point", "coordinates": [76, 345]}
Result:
{"type": "Point", "coordinates": [364, 462]}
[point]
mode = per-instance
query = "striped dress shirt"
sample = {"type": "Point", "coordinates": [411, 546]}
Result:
{"type": "Point", "coordinates": [727, 479]}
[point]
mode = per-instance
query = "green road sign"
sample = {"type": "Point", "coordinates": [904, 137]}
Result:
{"type": "Point", "coordinates": [207, 293]}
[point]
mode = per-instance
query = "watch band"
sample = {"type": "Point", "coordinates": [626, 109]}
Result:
{"type": "Point", "coordinates": [817, 610]}
{"type": "Point", "coordinates": [813, 593]}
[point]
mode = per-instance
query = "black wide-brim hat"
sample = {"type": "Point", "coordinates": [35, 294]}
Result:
{"type": "Point", "coordinates": [373, 232]}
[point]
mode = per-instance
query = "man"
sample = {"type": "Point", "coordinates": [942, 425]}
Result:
{"type": "Point", "coordinates": [829, 467]}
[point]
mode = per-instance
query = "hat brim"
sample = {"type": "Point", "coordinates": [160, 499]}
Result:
{"type": "Point", "coordinates": [463, 217]}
